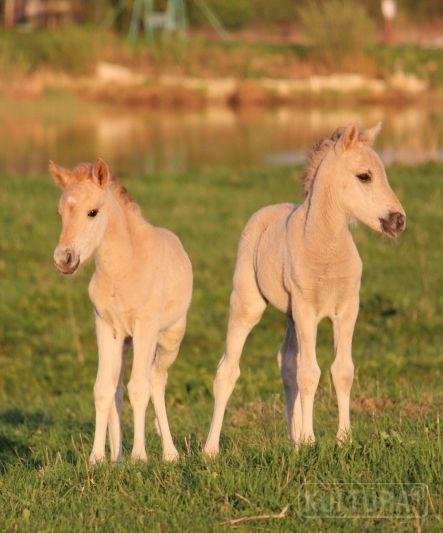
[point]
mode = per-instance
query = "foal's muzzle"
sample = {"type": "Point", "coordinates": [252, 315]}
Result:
{"type": "Point", "coordinates": [393, 224]}
{"type": "Point", "coordinates": [66, 260]}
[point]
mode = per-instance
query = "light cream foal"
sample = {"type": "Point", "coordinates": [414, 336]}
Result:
{"type": "Point", "coordinates": [303, 260]}
{"type": "Point", "coordinates": [141, 288]}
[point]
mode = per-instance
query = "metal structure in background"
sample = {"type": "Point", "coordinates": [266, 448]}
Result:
{"type": "Point", "coordinates": [172, 20]}
{"type": "Point", "coordinates": [146, 17]}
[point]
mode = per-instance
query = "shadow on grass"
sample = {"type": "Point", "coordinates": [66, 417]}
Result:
{"type": "Point", "coordinates": [13, 452]}
{"type": "Point", "coordinates": [18, 417]}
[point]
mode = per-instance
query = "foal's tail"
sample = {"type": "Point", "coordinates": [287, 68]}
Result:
{"type": "Point", "coordinates": [287, 362]}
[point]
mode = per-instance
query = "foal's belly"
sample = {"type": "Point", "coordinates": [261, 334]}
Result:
{"type": "Point", "coordinates": [270, 283]}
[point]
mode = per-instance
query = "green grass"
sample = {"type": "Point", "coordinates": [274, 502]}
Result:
{"type": "Point", "coordinates": [47, 373]}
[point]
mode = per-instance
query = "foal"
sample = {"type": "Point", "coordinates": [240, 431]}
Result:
{"type": "Point", "coordinates": [303, 260]}
{"type": "Point", "coordinates": [141, 288]}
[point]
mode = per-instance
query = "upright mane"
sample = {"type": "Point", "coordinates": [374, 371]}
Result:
{"type": "Point", "coordinates": [316, 156]}
{"type": "Point", "coordinates": [83, 171]}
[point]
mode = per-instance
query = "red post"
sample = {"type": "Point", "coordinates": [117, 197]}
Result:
{"type": "Point", "coordinates": [389, 37]}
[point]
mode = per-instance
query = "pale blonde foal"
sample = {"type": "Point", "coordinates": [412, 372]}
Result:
{"type": "Point", "coordinates": [141, 289]}
{"type": "Point", "coordinates": [303, 260]}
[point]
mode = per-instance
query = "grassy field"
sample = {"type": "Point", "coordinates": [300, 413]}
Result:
{"type": "Point", "coordinates": [48, 364]}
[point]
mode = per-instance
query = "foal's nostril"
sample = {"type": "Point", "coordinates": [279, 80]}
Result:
{"type": "Point", "coordinates": [66, 260]}
{"type": "Point", "coordinates": [397, 221]}
{"type": "Point", "coordinates": [393, 224]}
{"type": "Point", "coordinates": [68, 257]}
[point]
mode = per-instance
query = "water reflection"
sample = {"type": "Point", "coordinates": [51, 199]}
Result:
{"type": "Point", "coordinates": [139, 142]}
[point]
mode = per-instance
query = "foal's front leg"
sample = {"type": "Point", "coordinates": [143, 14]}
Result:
{"type": "Point", "coordinates": [114, 421]}
{"type": "Point", "coordinates": [110, 347]}
{"type": "Point", "coordinates": [308, 371]}
{"type": "Point", "coordinates": [342, 368]}
{"type": "Point", "coordinates": [144, 342]}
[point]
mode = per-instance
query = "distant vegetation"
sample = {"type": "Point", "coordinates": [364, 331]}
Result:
{"type": "Point", "coordinates": [74, 50]}
{"type": "Point", "coordinates": [77, 49]}
{"type": "Point", "coordinates": [237, 14]}
{"type": "Point", "coordinates": [335, 28]}
{"type": "Point", "coordinates": [333, 36]}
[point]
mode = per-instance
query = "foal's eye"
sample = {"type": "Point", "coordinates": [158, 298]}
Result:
{"type": "Point", "coordinates": [93, 213]}
{"type": "Point", "coordinates": [364, 177]}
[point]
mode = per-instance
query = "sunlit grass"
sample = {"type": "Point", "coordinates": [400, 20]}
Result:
{"type": "Point", "coordinates": [46, 405]}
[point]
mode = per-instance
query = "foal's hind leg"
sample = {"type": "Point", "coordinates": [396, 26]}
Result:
{"type": "Point", "coordinates": [245, 312]}
{"type": "Point", "coordinates": [166, 353]}
{"type": "Point", "coordinates": [288, 368]}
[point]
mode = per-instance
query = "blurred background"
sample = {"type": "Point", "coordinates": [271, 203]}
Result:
{"type": "Point", "coordinates": [177, 85]}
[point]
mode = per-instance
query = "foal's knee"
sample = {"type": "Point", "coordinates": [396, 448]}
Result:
{"type": "Point", "coordinates": [159, 376]}
{"type": "Point", "coordinates": [245, 312]}
{"type": "Point", "coordinates": [138, 392]}
{"type": "Point", "coordinates": [227, 375]}
{"type": "Point", "coordinates": [104, 394]}
{"type": "Point", "coordinates": [342, 375]}
{"type": "Point", "coordinates": [308, 376]}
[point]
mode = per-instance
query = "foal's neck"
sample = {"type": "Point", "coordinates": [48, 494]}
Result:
{"type": "Point", "coordinates": [115, 251]}
{"type": "Point", "coordinates": [326, 226]}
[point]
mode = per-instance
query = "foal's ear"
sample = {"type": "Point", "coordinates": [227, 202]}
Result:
{"type": "Point", "coordinates": [100, 173]}
{"type": "Point", "coordinates": [62, 176]}
{"type": "Point", "coordinates": [369, 135]}
{"type": "Point", "coordinates": [350, 136]}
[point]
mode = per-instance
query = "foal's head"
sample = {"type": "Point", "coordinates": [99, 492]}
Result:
{"type": "Point", "coordinates": [358, 181]}
{"type": "Point", "coordinates": [82, 207]}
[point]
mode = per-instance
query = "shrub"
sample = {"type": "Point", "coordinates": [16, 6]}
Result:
{"type": "Point", "coordinates": [233, 14]}
{"type": "Point", "coordinates": [336, 28]}
{"type": "Point", "coordinates": [72, 48]}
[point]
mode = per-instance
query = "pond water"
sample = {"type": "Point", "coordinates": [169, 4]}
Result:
{"type": "Point", "coordinates": [135, 141]}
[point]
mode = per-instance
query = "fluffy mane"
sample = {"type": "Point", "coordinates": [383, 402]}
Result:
{"type": "Point", "coordinates": [316, 156]}
{"type": "Point", "coordinates": [83, 171]}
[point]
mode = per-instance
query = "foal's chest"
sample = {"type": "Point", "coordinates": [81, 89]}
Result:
{"type": "Point", "coordinates": [327, 295]}
{"type": "Point", "coordinates": [114, 305]}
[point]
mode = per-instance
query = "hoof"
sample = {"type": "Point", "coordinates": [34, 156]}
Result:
{"type": "Point", "coordinates": [96, 458]}
{"type": "Point", "coordinates": [211, 451]}
{"type": "Point", "coordinates": [308, 440]}
{"type": "Point", "coordinates": [343, 438]}
{"type": "Point", "coordinates": [139, 456]}
{"type": "Point", "coordinates": [171, 456]}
